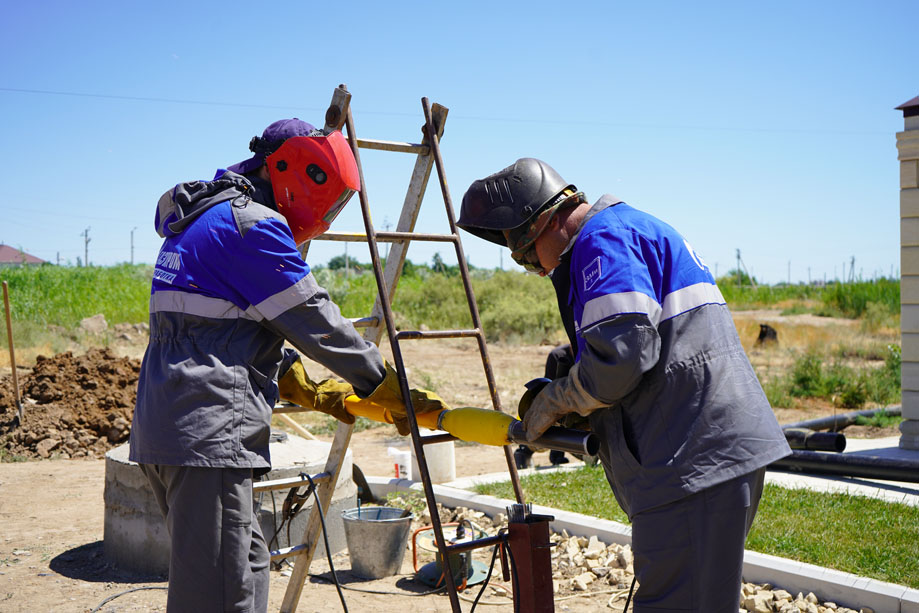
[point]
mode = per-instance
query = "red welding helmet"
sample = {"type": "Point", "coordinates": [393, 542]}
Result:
{"type": "Point", "coordinates": [312, 177]}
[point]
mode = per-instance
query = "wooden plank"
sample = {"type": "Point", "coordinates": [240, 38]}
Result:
{"type": "Point", "coordinates": [312, 532]}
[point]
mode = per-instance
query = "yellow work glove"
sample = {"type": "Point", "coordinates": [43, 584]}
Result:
{"type": "Point", "coordinates": [327, 396]}
{"type": "Point", "coordinates": [389, 394]}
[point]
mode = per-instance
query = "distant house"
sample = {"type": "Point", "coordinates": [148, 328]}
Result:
{"type": "Point", "coordinates": [10, 256]}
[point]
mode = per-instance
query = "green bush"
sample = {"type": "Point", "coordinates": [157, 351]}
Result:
{"type": "Point", "coordinates": [841, 384]}
{"type": "Point", "coordinates": [807, 376]}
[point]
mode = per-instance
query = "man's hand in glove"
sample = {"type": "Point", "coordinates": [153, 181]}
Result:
{"type": "Point", "coordinates": [389, 394]}
{"type": "Point", "coordinates": [558, 398]}
{"type": "Point", "coordinates": [327, 396]}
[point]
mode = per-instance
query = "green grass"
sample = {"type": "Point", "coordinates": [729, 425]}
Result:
{"type": "Point", "coordinates": [514, 307]}
{"type": "Point", "coordinates": [855, 534]}
{"type": "Point", "coordinates": [42, 297]}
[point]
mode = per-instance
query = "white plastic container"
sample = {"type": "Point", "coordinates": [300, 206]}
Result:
{"type": "Point", "coordinates": [441, 460]}
{"type": "Point", "coordinates": [401, 465]}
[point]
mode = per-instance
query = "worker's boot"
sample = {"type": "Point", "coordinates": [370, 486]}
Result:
{"type": "Point", "coordinates": [523, 457]}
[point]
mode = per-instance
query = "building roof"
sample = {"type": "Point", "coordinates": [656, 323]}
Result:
{"type": "Point", "coordinates": [910, 107]}
{"type": "Point", "coordinates": [11, 255]}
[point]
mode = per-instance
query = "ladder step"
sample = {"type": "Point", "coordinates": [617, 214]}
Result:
{"type": "Point", "coordinates": [288, 483]}
{"type": "Point", "coordinates": [286, 552]}
{"type": "Point", "coordinates": [487, 541]}
{"type": "Point", "coordinates": [387, 237]}
{"type": "Point", "coordinates": [437, 438]}
{"type": "Point", "coordinates": [364, 322]}
{"type": "Point", "coordinates": [387, 145]}
{"type": "Point", "coordinates": [412, 335]}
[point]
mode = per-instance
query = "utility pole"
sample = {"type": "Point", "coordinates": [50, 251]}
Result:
{"type": "Point", "coordinates": [86, 240]}
{"type": "Point", "coordinates": [739, 277]}
{"type": "Point", "coordinates": [789, 272]}
{"type": "Point", "coordinates": [132, 245]}
{"type": "Point", "coordinates": [347, 266]}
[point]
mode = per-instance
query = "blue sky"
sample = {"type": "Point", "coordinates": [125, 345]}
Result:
{"type": "Point", "coordinates": [766, 127]}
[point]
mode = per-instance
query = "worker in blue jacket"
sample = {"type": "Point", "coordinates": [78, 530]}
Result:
{"type": "Point", "coordinates": [229, 288]}
{"type": "Point", "coordinates": [659, 373]}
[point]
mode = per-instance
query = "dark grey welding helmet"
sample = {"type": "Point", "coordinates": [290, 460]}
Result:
{"type": "Point", "coordinates": [505, 201]}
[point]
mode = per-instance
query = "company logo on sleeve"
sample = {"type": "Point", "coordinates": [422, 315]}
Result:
{"type": "Point", "coordinates": [167, 260]}
{"type": "Point", "coordinates": [591, 273]}
{"type": "Point", "coordinates": [695, 256]}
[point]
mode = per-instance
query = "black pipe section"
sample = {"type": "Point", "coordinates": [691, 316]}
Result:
{"type": "Point", "coordinates": [848, 465]}
{"type": "Point", "coordinates": [569, 440]}
{"type": "Point", "coordinates": [838, 422]}
{"type": "Point", "coordinates": [803, 438]}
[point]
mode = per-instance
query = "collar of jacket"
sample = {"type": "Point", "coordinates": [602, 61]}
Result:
{"type": "Point", "coordinates": [185, 202]}
{"type": "Point", "coordinates": [605, 201]}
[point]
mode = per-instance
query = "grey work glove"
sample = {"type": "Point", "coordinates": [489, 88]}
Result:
{"type": "Point", "coordinates": [557, 399]}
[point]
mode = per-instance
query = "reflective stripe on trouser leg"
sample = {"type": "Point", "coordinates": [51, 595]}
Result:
{"type": "Point", "coordinates": [689, 554]}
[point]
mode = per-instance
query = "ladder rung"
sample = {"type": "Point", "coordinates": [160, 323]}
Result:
{"type": "Point", "coordinates": [488, 541]}
{"type": "Point", "coordinates": [286, 552]}
{"type": "Point", "coordinates": [387, 145]}
{"type": "Point", "coordinates": [386, 237]}
{"type": "Point", "coordinates": [288, 483]}
{"type": "Point", "coordinates": [413, 335]}
{"type": "Point", "coordinates": [365, 322]}
{"type": "Point", "coordinates": [437, 438]}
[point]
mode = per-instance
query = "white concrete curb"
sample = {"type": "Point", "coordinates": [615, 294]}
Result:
{"type": "Point", "coordinates": [842, 588]}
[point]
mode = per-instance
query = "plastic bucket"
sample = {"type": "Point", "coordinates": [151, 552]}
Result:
{"type": "Point", "coordinates": [376, 538]}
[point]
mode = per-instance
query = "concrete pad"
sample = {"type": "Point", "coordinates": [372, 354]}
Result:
{"type": "Point", "coordinates": [134, 532]}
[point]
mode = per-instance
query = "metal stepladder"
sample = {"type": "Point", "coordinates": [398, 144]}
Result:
{"type": "Point", "coordinates": [428, 156]}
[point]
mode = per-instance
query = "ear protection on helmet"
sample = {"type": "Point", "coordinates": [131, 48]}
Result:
{"type": "Point", "coordinates": [313, 177]}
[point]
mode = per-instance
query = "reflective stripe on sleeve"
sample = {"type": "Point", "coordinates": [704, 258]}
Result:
{"type": "Point", "coordinates": [196, 304]}
{"type": "Point", "coordinates": [624, 303]}
{"type": "Point", "coordinates": [286, 299]}
{"type": "Point", "coordinates": [610, 305]}
{"type": "Point", "coordinates": [689, 298]}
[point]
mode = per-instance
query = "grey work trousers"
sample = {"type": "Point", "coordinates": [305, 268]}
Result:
{"type": "Point", "coordinates": [689, 553]}
{"type": "Point", "coordinates": [219, 559]}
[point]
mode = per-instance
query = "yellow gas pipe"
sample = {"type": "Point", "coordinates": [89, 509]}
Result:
{"type": "Point", "coordinates": [484, 426]}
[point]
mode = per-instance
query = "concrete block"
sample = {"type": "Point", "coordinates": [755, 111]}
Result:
{"type": "Point", "coordinates": [910, 404]}
{"type": "Point", "coordinates": [909, 318]}
{"type": "Point", "coordinates": [909, 174]}
{"type": "Point", "coordinates": [910, 345]}
{"type": "Point", "coordinates": [134, 533]}
{"type": "Point", "coordinates": [909, 289]}
{"type": "Point", "coordinates": [909, 434]}
{"type": "Point", "coordinates": [908, 145]}
{"type": "Point", "coordinates": [909, 376]}
{"type": "Point", "coordinates": [909, 231]}
{"type": "Point", "coordinates": [909, 260]}
{"type": "Point", "coordinates": [909, 602]}
{"type": "Point", "coordinates": [909, 203]}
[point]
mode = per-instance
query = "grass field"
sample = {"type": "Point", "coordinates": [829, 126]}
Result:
{"type": "Point", "coordinates": [855, 534]}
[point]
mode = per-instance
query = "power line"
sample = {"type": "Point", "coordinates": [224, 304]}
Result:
{"type": "Point", "coordinates": [592, 122]}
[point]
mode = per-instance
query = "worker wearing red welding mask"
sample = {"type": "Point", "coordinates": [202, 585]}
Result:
{"type": "Point", "coordinates": [685, 428]}
{"type": "Point", "coordinates": [229, 287]}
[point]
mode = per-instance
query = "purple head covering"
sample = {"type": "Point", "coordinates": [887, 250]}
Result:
{"type": "Point", "coordinates": [269, 141]}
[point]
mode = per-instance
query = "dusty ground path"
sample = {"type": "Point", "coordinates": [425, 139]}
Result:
{"type": "Point", "coordinates": [51, 556]}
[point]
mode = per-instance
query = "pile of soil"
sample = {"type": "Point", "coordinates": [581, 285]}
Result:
{"type": "Point", "coordinates": [74, 406]}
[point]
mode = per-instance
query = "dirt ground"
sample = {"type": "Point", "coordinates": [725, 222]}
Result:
{"type": "Point", "coordinates": [52, 509]}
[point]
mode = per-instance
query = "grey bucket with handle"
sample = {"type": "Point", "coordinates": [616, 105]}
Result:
{"type": "Point", "coordinates": [376, 538]}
